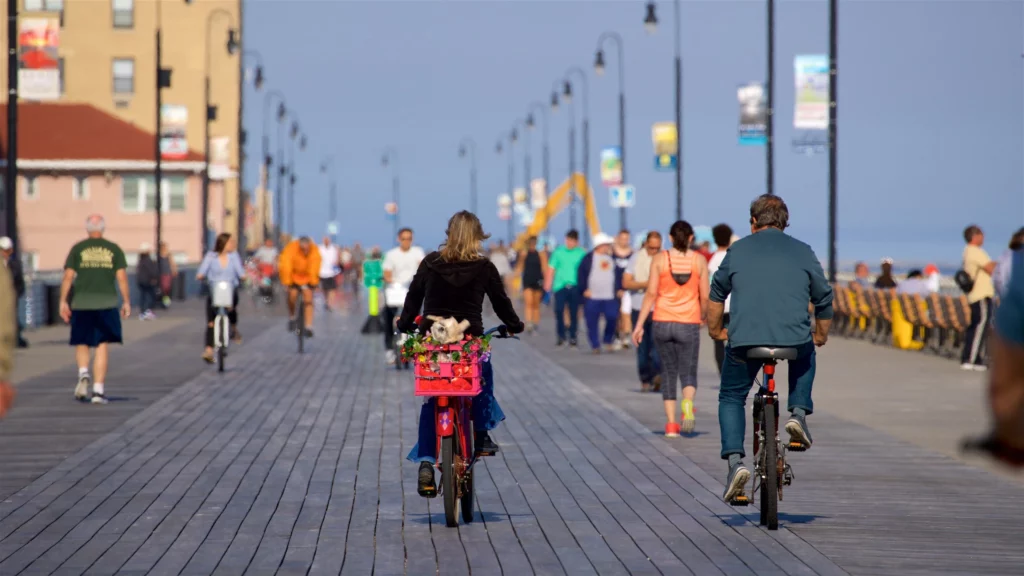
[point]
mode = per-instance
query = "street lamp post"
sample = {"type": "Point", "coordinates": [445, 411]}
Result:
{"type": "Point", "coordinates": [242, 137]}
{"type": "Point", "coordinates": [511, 176]}
{"type": "Point", "coordinates": [527, 160]}
{"type": "Point", "coordinates": [567, 94]}
{"type": "Point", "coordinates": [390, 158]}
{"type": "Point", "coordinates": [572, 150]}
{"type": "Point", "coordinates": [833, 126]}
{"type": "Point", "coordinates": [211, 115]}
{"type": "Point", "coordinates": [268, 161]}
{"type": "Point", "coordinates": [546, 152]}
{"type": "Point", "coordinates": [332, 199]}
{"type": "Point", "coordinates": [651, 23]}
{"type": "Point", "coordinates": [300, 139]}
{"type": "Point", "coordinates": [10, 197]}
{"type": "Point", "coordinates": [599, 69]}
{"type": "Point", "coordinates": [468, 146]}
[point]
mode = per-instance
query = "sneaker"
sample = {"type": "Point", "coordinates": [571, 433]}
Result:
{"type": "Point", "coordinates": [426, 486]}
{"type": "Point", "coordinates": [484, 445]}
{"type": "Point", "coordinates": [82, 389]}
{"type": "Point", "coordinates": [798, 431]}
{"type": "Point", "coordinates": [573, 343]}
{"type": "Point", "coordinates": [390, 357]}
{"type": "Point", "coordinates": [98, 398]}
{"type": "Point", "coordinates": [734, 485]}
{"type": "Point", "coordinates": [672, 430]}
{"type": "Point", "coordinates": [560, 343]}
{"type": "Point", "coordinates": [688, 420]}
{"type": "Point", "coordinates": [616, 346]}
{"type": "Point", "coordinates": [980, 368]}
{"type": "Point", "coordinates": [308, 333]}
{"type": "Point", "coordinates": [656, 384]}
{"type": "Point", "coordinates": [291, 325]}
{"type": "Point", "coordinates": [967, 366]}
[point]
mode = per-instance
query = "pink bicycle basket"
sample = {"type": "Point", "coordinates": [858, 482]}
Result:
{"type": "Point", "coordinates": [447, 378]}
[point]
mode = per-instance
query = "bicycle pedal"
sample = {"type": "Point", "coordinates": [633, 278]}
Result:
{"type": "Point", "coordinates": [796, 447]}
{"type": "Point", "coordinates": [740, 500]}
{"type": "Point", "coordinates": [481, 454]}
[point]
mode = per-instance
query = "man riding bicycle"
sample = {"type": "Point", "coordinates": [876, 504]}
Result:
{"type": "Point", "coordinates": [299, 269]}
{"type": "Point", "coordinates": [771, 277]}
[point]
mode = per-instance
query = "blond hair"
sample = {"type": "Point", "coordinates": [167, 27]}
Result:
{"type": "Point", "coordinates": [464, 235]}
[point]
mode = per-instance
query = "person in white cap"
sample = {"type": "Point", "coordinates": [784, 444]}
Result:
{"type": "Point", "coordinates": [18, 279]}
{"type": "Point", "coordinates": [600, 282]}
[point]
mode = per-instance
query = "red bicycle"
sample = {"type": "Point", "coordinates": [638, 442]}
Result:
{"type": "Point", "coordinates": [454, 380]}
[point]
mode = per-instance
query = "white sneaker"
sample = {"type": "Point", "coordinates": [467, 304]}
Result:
{"type": "Point", "coordinates": [980, 368]}
{"type": "Point", "coordinates": [82, 389]}
{"type": "Point", "coordinates": [390, 357]}
{"type": "Point", "coordinates": [966, 366]}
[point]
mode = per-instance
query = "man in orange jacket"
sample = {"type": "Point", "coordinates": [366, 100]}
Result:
{"type": "Point", "coordinates": [299, 269]}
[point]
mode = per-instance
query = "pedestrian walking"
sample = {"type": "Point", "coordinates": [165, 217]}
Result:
{"type": "Point", "coordinates": [17, 274]}
{"type": "Point", "coordinates": [723, 239]}
{"type": "Point", "coordinates": [329, 266]}
{"type": "Point", "coordinates": [399, 268]}
{"type": "Point", "coordinates": [530, 265]}
{"type": "Point", "coordinates": [168, 272]}
{"type": "Point", "coordinates": [96, 268]}
{"type": "Point", "coordinates": [561, 279]}
{"type": "Point", "coordinates": [8, 334]}
{"type": "Point", "coordinates": [147, 279]}
{"type": "Point", "coordinates": [600, 282]}
{"type": "Point", "coordinates": [980, 289]}
{"type": "Point", "coordinates": [635, 279]}
{"type": "Point", "coordinates": [622, 251]}
{"type": "Point", "coordinates": [678, 292]}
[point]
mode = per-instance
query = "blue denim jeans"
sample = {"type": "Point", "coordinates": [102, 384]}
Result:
{"type": "Point", "coordinates": [648, 365]}
{"type": "Point", "coordinates": [567, 297]}
{"type": "Point", "coordinates": [593, 310]}
{"type": "Point", "coordinates": [486, 416]}
{"type": "Point", "coordinates": [738, 375]}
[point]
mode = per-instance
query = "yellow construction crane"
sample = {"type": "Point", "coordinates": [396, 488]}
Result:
{"type": "Point", "coordinates": [559, 200]}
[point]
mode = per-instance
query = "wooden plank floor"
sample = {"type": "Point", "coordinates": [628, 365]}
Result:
{"type": "Point", "coordinates": [877, 494]}
{"type": "Point", "coordinates": [295, 464]}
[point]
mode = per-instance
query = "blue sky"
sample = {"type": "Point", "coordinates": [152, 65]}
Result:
{"type": "Point", "coordinates": [931, 130]}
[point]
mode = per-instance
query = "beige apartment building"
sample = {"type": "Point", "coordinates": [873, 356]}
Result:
{"type": "Point", "coordinates": [106, 57]}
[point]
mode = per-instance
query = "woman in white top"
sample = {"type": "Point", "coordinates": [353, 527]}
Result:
{"type": "Point", "coordinates": [723, 238]}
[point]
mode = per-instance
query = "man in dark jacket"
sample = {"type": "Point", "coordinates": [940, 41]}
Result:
{"type": "Point", "coordinates": [147, 277]}
{"type": "Point", "coordinates": [18, 279]}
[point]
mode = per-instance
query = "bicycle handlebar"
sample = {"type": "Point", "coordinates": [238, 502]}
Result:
{"type": "Point", "coordinates": [502, 332]}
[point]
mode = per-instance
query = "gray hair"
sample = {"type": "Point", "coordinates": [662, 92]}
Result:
{"type": "Point", "coordinates": [769, 210]}
{"type": "Point", "coordinates": [95, 223]}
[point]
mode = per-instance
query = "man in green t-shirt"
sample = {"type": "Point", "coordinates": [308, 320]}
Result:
{"type": "Point", "coordinates": [97, 269]}
{"type": "Point", "coordinates": [560, 279]}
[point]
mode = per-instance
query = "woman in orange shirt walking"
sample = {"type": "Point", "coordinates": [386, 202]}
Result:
{"type": "Point", "coordinates": [678, 291]}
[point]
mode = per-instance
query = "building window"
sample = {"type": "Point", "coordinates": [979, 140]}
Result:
{"type": "Point", "coordinates": [44, 5]}
{"type": "Point", "coordinates": [124, 75]}
{"type": "Point", "coordinates": [80, 188]}
{"type": "Point", "coordinates": [124, 13]}
{"type": "Point", "coordinates": [30, 187]}
{"type": "Point", "coordinates": [138, 194]}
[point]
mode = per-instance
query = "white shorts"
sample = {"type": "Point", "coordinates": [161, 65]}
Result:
{"type": "Point", "coordinates": [627, 305]}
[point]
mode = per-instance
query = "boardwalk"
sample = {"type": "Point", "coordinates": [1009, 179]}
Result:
{"type": "Point", "coordinates": [295, 465]}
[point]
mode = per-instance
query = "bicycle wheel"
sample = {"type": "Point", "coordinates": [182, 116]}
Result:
{"type": "Point", "coordinates": [449, 484]}
{"type": "Point", "coordinates": [770, 483]}
{"type": "Point", "coordinates": [222, 350]}
{"type": "Point", "coordinates": [300, 320]}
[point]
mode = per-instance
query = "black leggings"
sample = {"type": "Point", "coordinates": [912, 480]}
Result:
{"type": "Point", "coordinates": [211, 313]}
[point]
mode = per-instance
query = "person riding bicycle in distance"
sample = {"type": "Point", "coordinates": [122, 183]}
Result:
{"type": "Point", "coordinates": [452, 282]}
{"type": "Point", "coordinates": [771, 277]}
{"type": "Point", "coordinates": [299, 269]}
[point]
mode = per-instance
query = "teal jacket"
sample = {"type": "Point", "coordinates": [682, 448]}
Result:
{"type": "Point", "coordinates": [771, 276]}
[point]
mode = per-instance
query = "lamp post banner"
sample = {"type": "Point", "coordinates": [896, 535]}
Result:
{"type": "Point", "coordinates": [173, 121]}
{"type": "Point", "coordinates": [611, 166]}
{"type": "Point", "coordinates": [666, 146]}
{"type": "Point", "coordinates": [38, 62]}
{"type": "Point", "coordinates": [810, 118]}
{"type": "Point", "coordinates": [753, 114]}
{"type": "Point", "coordinates": [538, 193]}
{"type": "Point", "coordinates": [519, 196]}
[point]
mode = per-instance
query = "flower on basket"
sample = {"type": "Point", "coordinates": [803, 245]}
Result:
{"type": "Point", "coordinates": [485, 357]}
{"type": "Point", "coordinates": [423, 348]}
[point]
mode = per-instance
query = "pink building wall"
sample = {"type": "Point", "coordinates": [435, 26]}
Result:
{"type": "Point", "coordinates": [53, 219]}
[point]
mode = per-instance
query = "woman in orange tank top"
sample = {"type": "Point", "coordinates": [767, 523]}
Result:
{"type": "Point", "coordinates": [678, 292]}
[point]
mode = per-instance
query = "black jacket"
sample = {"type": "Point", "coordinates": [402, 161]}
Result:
{"type": "Point", "coordinates": [17, 275]}
{"type": "Point", "coordinates": [457, 289]}
{"type": "Point", "coordinates": [146, 271]}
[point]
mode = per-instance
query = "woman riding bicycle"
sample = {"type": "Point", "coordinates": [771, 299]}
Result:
{"type": "Point", "coordinates": [452, 282]}
{"type": "Point", "coordinates": [222, 264]}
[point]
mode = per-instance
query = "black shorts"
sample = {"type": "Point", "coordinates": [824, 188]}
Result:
{"type": "Point", "coordinates": [94, 327]}
{"type": "Point", "coordinates": [329, 283]}
{"type": "Point", "coordinates": [533, 284]}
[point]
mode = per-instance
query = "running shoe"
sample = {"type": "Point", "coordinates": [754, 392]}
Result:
{"type": "Point", "coordinates": [82, 389]}
{"type": "Point", "coordinates": [734, 485]}
{"type": "Point", "coordinates": [798, 431]}
{"type": "Point", "coordinates": [98, 398]}
{"type": "Point", "coordinates": [688, 421]}
{"type": "Point", "coordinates": [672, 430]}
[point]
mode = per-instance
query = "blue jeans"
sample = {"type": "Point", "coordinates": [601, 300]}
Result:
{"type": "Point", "coordinates": [737, 377]}
{"type": "Point", "coordinates": [648, 365]}
{"type": "Point", "coordinates": [593, 310]}
{"type": "Point", "coordinates": [567, 297]}
{"type": "Point", "coordinates": [486, 416]}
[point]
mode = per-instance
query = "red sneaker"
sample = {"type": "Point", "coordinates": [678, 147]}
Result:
{"type": "Point", "coordinates": [672, 430]}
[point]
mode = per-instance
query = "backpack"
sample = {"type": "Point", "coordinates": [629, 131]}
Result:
{"type": "Point", "coordinates": [964, 281]}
